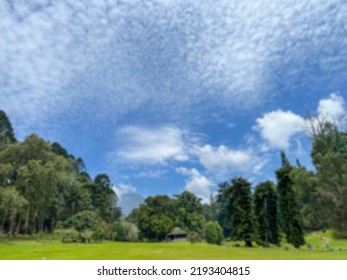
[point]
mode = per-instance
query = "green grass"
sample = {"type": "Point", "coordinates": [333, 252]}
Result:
{"type": "Point", "coordinates": [24, 249]}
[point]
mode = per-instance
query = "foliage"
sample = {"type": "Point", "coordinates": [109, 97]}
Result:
{"type": "Point", "coordinates": [69, 235]}
{"type": "Point", "coordinates": [53, 185]}
{"type": "Point", "coordinates": [194, 237]}
{"type": "Point", "coordinates": [89, 225]}
{"type": "Point", "coordinates": [103, 197]}
{"type": "Point", "coordinates": [155, 218]}
{"type": "Point", "coordinates": [6, 130]}
{"type": "Point", "coordinates": [83, 220]}
{"type": "Point", "coordinates": [291, 220]}
{"type": "Point", "coordinates": [125, 231]}
{"type": "Point", "coordinates": [214, 233]}
{"type": "Point", "coordinates": [11, 204]}
{"type": "Point", "coordinates": [329, 154]}
{"type": "Point", "coordinates": [43, 186]}
{"type": "Point", "coordinates": [266, 213]}
{"type": "Point", "coordinates": [240, 210]}
{"type": "Point", "coordinates": [188, 212]}
{"type": "Point", "coordinates": [305, 186]}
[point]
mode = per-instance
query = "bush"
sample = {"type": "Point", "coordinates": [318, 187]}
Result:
{"type": "Point", "coordinates": [214, 233]}
{"type": "Point", "coordinates": [125, 231]}
{"type": "Point", "coordinates": [339, 235]}
{"type": "Point", "coordinates": [83, 220]}
{"type": "Point", "coordinates": [89, 226]}
{"type": "Point", "coordinates": [87, 236]}
{"type": "Point", "coordinates": [69, 235]}
{"type": "Point", "coordinates": [194, 237]}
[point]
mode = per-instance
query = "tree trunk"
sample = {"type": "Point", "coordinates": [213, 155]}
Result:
{"type": "Point", "coordinates": [12, 228]}
{"type": "Point", "coordinates": [249, 243]}
{"type": "Point", "coordinates": [53, 225]}
{"type": "Point", "coordinates": [42, 221]}
{"type": "Point", "coordinates": [18, 224]}
{"type": "Point", "coordinates": [3, 222]}
{"type": "Point", "coordinates": [26, 224]}
{"type": "Point", "coordinates": [33, 228]}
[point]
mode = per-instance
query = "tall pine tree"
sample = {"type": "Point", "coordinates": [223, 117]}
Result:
{"type": "Point", "coordinates": [266, 213]}
{"type": "Point", "coordinates": [291, 220]}
{"type": "Point", "coordinates": [240, 209]}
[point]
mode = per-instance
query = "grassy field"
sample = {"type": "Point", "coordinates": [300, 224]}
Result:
{"type": "Point", "coordinates": [55, 250]}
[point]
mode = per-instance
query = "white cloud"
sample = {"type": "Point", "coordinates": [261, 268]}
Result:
{"type": "Point", "coordinates": [222, 160]}
{"type": "Point", "coordinates": [332, 108]}
{"type": "Point", "coordinates": [151, 145]}
{"type": "Point", "coordinates": [196, 183]}
{"type": "Point", "coordinates": [146, 150]}
{"type": "Point", "coordinates": [123, 189]}
{"type": "Point", "coordinates": [278, 127]}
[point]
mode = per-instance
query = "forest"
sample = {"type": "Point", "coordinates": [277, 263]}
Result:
{"type": "Point", "coordinates": [44, 188]}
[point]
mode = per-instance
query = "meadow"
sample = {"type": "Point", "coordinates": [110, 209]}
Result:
{"type": "Point", "coordinates": [324, 247]}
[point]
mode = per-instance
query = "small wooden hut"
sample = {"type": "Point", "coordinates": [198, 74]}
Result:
{"type": "Point", "coordinates": [177, 235]}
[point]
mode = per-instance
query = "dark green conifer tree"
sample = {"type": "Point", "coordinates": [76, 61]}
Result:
{"type": "Point", "coordinates": [266, 213]}
{"type": "Point", "coordinates": [240, 209]}
{"type": "Point", "coordinates": [291, 220]}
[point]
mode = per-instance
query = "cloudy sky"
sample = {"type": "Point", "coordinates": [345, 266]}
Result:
{"type": "Point", "coordinates": [168, 95]}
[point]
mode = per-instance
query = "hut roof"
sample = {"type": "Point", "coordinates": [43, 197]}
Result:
{"type": "Point", "coordinates": [177, 231]}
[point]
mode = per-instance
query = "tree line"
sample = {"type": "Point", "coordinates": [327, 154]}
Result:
{"type": "Point", "coordinates": [43, 188]}
{"type": "Point", "coordinates": [269, 213]}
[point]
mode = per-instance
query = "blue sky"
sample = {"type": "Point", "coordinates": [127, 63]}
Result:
{"type": "Point", "coordinates": [167, 95]}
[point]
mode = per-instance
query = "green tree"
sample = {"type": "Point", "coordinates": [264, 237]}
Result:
{"type": "Point", "coordinates": [5, 174]}
{"type": "Point", "coordinates": [155, 217]}
{"type": "Point", "coordinates": [223, 207]}
{"type": "Point", "coordinates": [188, 212]}
{"type": "Point", "coordinates": [54, 184]}
{"type": "Point", "coordinates": [211, 210]}
{"type": "Point", "coordinates": [332, 188]}
{"type": "Point", "coordinates": [305, 186]}
{"type": "Point", "coordinates": [291, 219]}
{"type": "Point", "coordinates": [266, 213]}
{"type": "Point", "coordinates": [125, 231]}
{"type": "Point", "coordinates": [327, 139]}
{"type": "Point", "coordinates": [11, 204]}
{"type": "Point", "coordinates": [214, 233]}
{"type": "Point", "coordinates": [43, 184]}
{"type": "Point", "coordinates": [329, 155]}
{"type": "Point", "coordinates": [88, 224]}
{"type": "Point", "coordinates": [240, 209]}
{"type": "Point", "coordinates": [103, 197]}
{"type": "Point", "coordinates": [6, 130]}
{"type": "Point", "coordinates": [59, 150]}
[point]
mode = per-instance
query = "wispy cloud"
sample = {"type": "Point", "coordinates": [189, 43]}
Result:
{"type": "Point", "coordinates": [149, 150]}
{"type": "Point", "coordinates": [148, 146]}
{"type": "Point", "coordinates": [74, 59]}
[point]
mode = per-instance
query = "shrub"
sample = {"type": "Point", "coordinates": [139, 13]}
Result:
{"type": "Point", "coordinates": [83, 220]}
{"type": "Point", "coordinates": [68, 235]}
{"type": "Point", "coordinates": [194, 237]}
{"type": "Point", "coordinates": [214, 233]}
{"type": "Point", "coordinates": [125, 231]}
{"type": "Point", "coordinates": [339, 235]}
{"type": "Point", "coordinates": [89, 226]}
